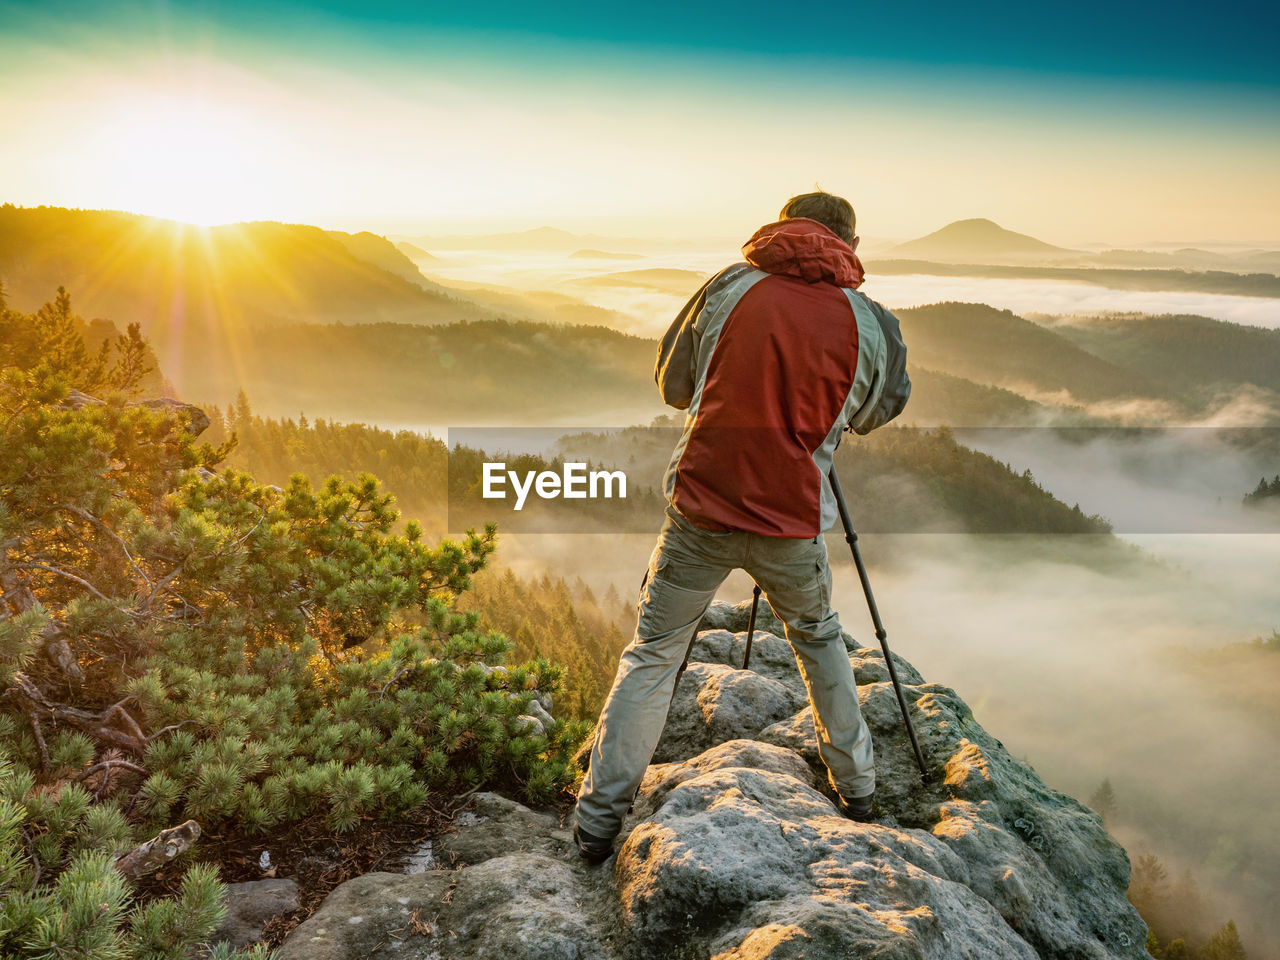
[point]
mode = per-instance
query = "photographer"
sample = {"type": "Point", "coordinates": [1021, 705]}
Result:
{"type": "Point", "coordinates": [772, 358]}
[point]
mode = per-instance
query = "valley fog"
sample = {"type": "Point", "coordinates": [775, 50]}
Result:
{"type": "Point", "coordinates": [648, 309]}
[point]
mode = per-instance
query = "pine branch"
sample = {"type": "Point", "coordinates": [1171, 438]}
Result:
{"type": "Point", "coordinates": [34, 703]}
{"type": "Point", "coordinates": [145, 606]}
{"type": "Point", "coordinates": [63, 573]}
{"type": "Point", "coordinates": [39, 736]}
{"type": "Point", "coordinates": [105, 768]}
{"type": "Point", "coordinates": [54, 639]}
{"type": "Point", "coordinates": [169, 729]}
{"type": "Point", "coordinates": [249, 532]}
{"type": "Point", "coordinates": [81, 512]}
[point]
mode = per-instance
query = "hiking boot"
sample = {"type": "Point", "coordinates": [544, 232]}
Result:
{"type": "Point", "coordinates": [859, 808]}
{"type": "Point", "coordinates": [593, 849]}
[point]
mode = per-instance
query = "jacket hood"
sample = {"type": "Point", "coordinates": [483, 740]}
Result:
{"type": "Point", "coordinates": [804, 248]}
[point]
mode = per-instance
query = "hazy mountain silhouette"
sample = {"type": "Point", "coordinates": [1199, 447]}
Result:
{"type": "Point", "coordinates": [541, 238]}
{"type": "Point", "coordinates": [1165, 280]}
{"type": "Point", "coordinates": [413, 252]}
{"type": "Point", "coordinates": [210, 298]}
{"type": "Point", "coordinates": [976, 241]}
{"type": "Point", "coordinates": [1188, 258]}
{"type": "Point", "coordinates": [667, 279]}
{"type": "Point", "coordinates": [492, 372]}
{"type": "Point", "coordinates": [378, 251]}
{"type": "Point", "coordinates": [604, 255]}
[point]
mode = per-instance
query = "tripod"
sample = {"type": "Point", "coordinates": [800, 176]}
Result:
{"type": "Point", "coordinates": [852, 539]}
{"type": "Point", "coordinates": [882, 635]}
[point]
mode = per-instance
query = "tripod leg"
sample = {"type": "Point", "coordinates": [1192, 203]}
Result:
{"type": "Point", "coordinates": [684, 665]}
{"type": "Point", "coordinates": [881, 634]}
{"type": "Point", "coordinates": [751, 625]}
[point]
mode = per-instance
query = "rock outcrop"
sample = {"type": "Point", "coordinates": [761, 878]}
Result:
{"type": "Point", "coordinates": [735, 851]}
{"type": "Point", "coordinates": [251, 906]}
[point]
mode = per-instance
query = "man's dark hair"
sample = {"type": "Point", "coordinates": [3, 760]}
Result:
{"type": "Point", "coordinates": [835, 213]}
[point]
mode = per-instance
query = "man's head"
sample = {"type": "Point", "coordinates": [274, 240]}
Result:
{"type": "Point", "coordinates": [835, 213]}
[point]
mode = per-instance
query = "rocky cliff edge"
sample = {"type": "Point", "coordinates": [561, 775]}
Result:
{"type": "Point", "coordinates": [734, 850]}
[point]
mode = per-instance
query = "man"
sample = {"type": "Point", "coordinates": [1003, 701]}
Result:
{"type": "Point", "coordinates": [772, 358]}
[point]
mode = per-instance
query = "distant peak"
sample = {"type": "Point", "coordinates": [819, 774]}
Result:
{"type": "Point", "coordinates": [976, 236]}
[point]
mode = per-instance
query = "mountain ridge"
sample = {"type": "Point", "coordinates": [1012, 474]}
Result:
{"type": "Point", "coordinates": [976, 236]}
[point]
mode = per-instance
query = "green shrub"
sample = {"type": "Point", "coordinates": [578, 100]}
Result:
{"type": "Point", "coordinates": [177, 643]}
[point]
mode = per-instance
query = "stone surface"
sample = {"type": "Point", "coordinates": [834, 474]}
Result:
{"type": "Point", "coordinates": [197, 420]}
{"type": "Point", "coordinates": [495, 827]}
{"type": "Point", "coordinates": [251, 906]}
{"type": "Point", "coordinates": [734, 850]}
{"type": "Point", "coordinates": [734, 618]}
{"type": "Point", "coordinates": [715, 703]}
{"type": "Point", "coordinates": [374, 916]}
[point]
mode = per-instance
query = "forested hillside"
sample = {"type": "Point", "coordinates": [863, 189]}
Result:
{"type": "Point", "coordinates": [897, 480]}
{"type": "Point", "coordinates": [942, 398]}
{"type": "Point", "coordinates": [900, 479]}
{"type": "Point", "coordinates": [998, 347]}
{"type": "Point", "coordinates": [459, 374]}
{"type": "Point", "coordinates": [342, 325]}
{"type": "Point", "coordinates": [470, 373]}
{"type": "Point", "coordinates": [1203, 281]}
{"type": "Point", "coordinates": [566, 623]}
{"type": "Point", "coordinates": [180, 281]}
{"type": "Point", "coordinates": [1188, 354]}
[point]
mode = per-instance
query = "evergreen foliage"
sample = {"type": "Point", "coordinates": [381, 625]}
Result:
{"type": "Point", "coordinates": [1224, 944]}
{"type": "Point", "coordinates": [182, 643]}
{"type": "Point", "coordinates": [1266, 492]}
{"type": "Point", "coordinates": [1177, 913]}
{"type": "Point", "coordinates": [1104, 800]}
{"type": "Point", "coordinates": [414, 466]}
{"type": "Point", "coordinates": [1177, 916]}
{"type": "Point", "coordinates": [61, 895]}
{"type": "Point", "coordinates": [566, 624]}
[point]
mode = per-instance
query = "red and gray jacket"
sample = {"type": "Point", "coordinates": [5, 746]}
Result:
{"type": "Point", "coordinates": [772, 358]}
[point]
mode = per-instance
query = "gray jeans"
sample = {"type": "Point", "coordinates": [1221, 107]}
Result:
{"type": "Point", "coordinates": [687, 566]}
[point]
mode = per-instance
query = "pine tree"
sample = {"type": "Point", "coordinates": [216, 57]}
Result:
{"type": "Point", "coordinates": [222, 651]}
{"type": "Point", "coordinates": [1148, 887]}
{"type": "Point", "coordinates": [1104, 800]}
{"type": "Point", "coordinates": [1224, 945]}
{"type": "Point", "coordinates": [243, 414]}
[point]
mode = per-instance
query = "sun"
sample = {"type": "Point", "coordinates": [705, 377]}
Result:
{"type": "Point", "coordinates": [184, 158]}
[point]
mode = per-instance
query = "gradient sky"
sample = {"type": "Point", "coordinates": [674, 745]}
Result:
{"type": "Point", "coordinates": [1084, 123]}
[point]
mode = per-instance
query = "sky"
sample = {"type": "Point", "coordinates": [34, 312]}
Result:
{"type": "Point", "coordinates": [1094, 123]}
